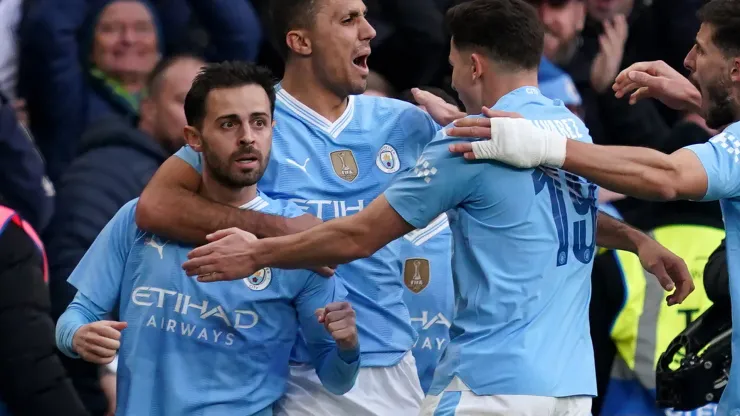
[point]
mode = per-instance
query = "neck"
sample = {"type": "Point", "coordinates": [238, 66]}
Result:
{"type": "Point", "coordinates": [132, 82]}
{"type": "Point", "coordinates": [300, 82]}
{"type": "Point", "coordinates": [218, 192]}
{"type": "Point", "coordinates": [494, 89]}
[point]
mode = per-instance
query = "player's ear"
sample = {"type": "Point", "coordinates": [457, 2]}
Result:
{"type": "Point", "coordinates": [735, 69]}
{"type": "Point", "coordinates": [478, 66]}
{"type": "Point", "coordinates": [298, 42]}
{"type": "Point", "coordinates": [193, 138]}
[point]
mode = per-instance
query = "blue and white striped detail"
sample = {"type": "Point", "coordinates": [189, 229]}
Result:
{"type": "Point", "coordinates": [315, 119]}
{"type": "Point", "coordinates": [257, 204]}
{"type": "Point", "coordinates": [422, 235]}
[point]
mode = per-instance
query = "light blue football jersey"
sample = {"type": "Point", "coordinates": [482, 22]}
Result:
{"type": "Point", "coordinates": [194, 348]}
{"type": "Point", "coordinates": [336, 169]}
{"type": "Point", "coordinates": [721, 159]}
{"type": "Point", "coordinates": [523, 243]}
{"type": "Point", "coordinates": [427, 275]}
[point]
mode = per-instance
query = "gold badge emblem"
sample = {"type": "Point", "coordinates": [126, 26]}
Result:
{"type": "Point", "coordinates": [416, 274]}
{"type": "Point", "coordinates": [344, 164]}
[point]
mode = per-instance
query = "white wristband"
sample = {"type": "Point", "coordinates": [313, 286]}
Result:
{"type": "Point", "coordinates": [518, 142]}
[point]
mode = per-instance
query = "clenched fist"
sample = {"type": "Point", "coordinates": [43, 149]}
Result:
{"type": "Point", "coordinates": [339, 319]}
{"type": "Point", "coordinates": [98, 342]}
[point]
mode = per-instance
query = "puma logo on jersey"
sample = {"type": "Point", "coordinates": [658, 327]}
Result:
{"type": "Point", "coordinates": [301, 167]}
{"type": "Point", "coordinates": [151, 242]}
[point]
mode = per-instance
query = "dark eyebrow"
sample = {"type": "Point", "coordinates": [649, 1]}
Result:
{"type": "Point", "coordinates": [259, 114]}
{"type": "Point", "coordinates": [228, 117]}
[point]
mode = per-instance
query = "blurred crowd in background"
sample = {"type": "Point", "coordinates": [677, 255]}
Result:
{"type": "Point", "coordinates": [92, 93]}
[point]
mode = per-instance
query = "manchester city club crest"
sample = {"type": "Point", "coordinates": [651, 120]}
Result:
{"type": "Point", "coordinates": [387, 160]}
{"type": "Point", "coordinates": [259, 280]}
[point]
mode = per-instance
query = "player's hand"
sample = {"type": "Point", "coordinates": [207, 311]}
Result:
{"type": "Point", "coordinates": [442, 112]}
{"type": "Point", "coordinates": [658, 80]}
{"type": "Point", "coordinates": [668, 268]}
{"type": "Point", "coordinates": [475, 128]}
{"type": "Point", "coordinates": [228, 256]}
{"type": "Point", "coordinates": [611, 49]}
{"type": "Point", "coordinates": [339, 320]}
{"type": "Point", "coordinates": [98, 342]}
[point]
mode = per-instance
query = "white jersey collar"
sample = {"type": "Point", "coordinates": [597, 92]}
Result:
{"type": "Point", "coordinates": [310, 116]}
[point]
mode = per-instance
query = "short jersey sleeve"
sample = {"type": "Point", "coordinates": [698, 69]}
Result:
{"type": "Point", "coordinates": [99, 274]}
{"type": "Point", "coordinates": [439, 181]}
{"type": "Point", "coordinates": [720, 157]}
{"type": "Point", "coordinates": [191, 157]}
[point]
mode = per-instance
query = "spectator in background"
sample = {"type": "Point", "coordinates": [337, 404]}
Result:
{"type": "Point", "coordinates": [618, 33]}
{"type": "Point", "coordinates": [113, 166]}
{"type": "Point", "coordinates": [410, 32]}
{"type": "Point", "coordinates": [10, 17]}
{"type": "Point", "coordinates": [563, 21]}
{"type": "Point", "coordinates": [24, 186]}
{"type": "Point", "coordinates": [70, 83]}
{"type": "Point", "coordinates": [378, 86]}
{"type": "Point", "coordinates": [33, 381]}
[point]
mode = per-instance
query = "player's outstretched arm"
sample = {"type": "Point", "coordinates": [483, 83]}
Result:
{"type": "Point", "coordinates": [331, 333]}
{"type": "Point", "coordinates": [231, 255]}
{"type": "Point", "coordinates": [634, 171]}
{"type": "Point", "coordinates": [170, 206]}
{"type": "Point", "coordinates": [82, 333]}
{"type": "Point", "coordinates": [670, 270]}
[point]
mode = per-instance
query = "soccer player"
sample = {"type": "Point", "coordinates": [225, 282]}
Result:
{"type": "Point", "coordinates": [428, 292]}
{"type": "Point", "coordinates": [708, 172]}
{"type": "Point", "coordinates": [333, 153]}
{"type": "Point", "coordinates": [523, 239]}
{"type": "Point", "coordinates": [189, 348]}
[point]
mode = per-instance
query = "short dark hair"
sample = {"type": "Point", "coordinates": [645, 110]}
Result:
{"type": "Point", "coordinates": [551, 3]}
{"type": "Point", "coordinates": [228, 74]}
{"type": "Point", "coordinates": [508, 31]}
{"type": "Point", "coordinates": [287, 15]}
{"type": "Point", "coordinates": [724, 16]}
{"type": "Point", "coordinates": [155, 77]}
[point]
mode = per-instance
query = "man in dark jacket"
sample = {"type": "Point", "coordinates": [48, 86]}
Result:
{"type": "Point", "coordinates": [24, 185]}
{"type": "Point", "coordinates": [113, 166]}
{"type": "Point", "coordinates": [33, 379]}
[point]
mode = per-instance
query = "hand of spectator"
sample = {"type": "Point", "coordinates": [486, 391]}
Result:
{"type": "Point", "coordinates": [658, 80]}
{"type": "Point", "coordinates": [670, 270]}
{"type": "Point", "coordinates": [21, 113]}
{"type": "Point", "coordinates": [98, 342]}
{"type": "Point", "coordinates": [611, 49]}
{"type": "Point", "coordinates": [442, 112]}
{"type": "Point", "coordinates": [339, 320]}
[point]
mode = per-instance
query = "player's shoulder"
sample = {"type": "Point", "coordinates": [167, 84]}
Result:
{"type": "Point", "coordinates": [730, 134]}
{"type": "Point", "coordinates": [394, 110]}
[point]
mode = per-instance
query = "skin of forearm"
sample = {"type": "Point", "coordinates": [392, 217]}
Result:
{"type": "Point", "coordinates": [616, 235]}
{"type": "Point", "coordinates": [336, 242]}
{"type": "Point", "coordinates": [639, 172]}
{"type": "Point", "coordinates": [185, 216]}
